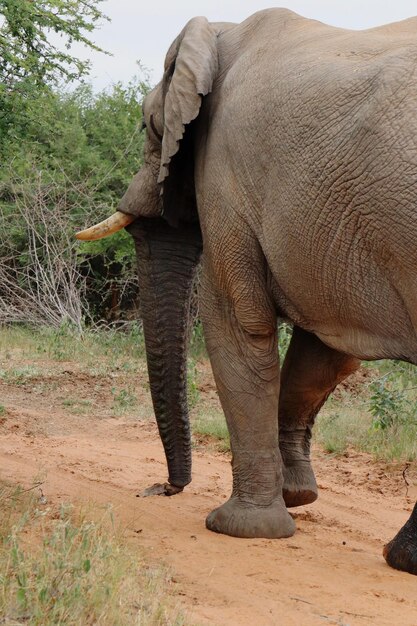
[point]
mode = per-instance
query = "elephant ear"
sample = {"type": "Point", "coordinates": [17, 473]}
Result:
{"type": "Point", "coordinates": [190, 68]}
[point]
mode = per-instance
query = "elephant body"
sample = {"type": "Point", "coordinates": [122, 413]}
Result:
{"type": "Point", "coordinates": [316, 156]}
{"type": "Point", "coordinates": [285, 151]}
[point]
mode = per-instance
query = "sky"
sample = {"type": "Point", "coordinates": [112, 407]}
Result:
{"type": "Point", "coordinates": [143, 31]}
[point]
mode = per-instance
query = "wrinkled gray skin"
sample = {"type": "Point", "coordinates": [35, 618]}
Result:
{"type": "Point", "coordinates": [293, 147]}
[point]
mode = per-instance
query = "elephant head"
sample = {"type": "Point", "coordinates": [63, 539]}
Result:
{"type": "Point", "coordinates": [159, 207]}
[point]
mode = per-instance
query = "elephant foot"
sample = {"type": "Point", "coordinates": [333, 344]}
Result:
{"type": "Point", "coordinates": [160, 489]}
{"type": "Point", "coordinates": [401, 552]}
{"type": "Point", "coordinates": [240, 519]}
{"type": "Point", "coordinates": [300, 485]}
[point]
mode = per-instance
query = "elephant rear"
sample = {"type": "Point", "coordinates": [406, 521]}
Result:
{"type": "Point", "coordinates": [313, 143]}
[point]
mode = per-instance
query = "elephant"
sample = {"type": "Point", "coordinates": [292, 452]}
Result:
{"type": "Point", "coordinates": [281, 154]}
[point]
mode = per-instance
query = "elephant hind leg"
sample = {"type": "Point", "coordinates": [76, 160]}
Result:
{"type": "Point", "coordinates": [401, 552]}
{"type": "Point", "coordinates": [310, 372]}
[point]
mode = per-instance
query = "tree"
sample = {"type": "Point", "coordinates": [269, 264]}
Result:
{"type": "Point", "coordinates": [25, 48]}
{"type": "Point", "coordinates": [29, 60]}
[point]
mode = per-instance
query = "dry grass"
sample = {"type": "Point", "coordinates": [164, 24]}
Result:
{"type": "Point", "coordinates": [65, 566]}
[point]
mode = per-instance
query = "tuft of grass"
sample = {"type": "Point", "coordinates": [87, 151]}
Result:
{"type": "Point", "coordinates": [119, 348]}
{"type": "Point", "coordinates": [197, 342]}
{"type": "Point", "coordinates": [123, 400]}
{"type": "Point", "coordinates": [2, 410]}
{"type": "Point", "coordinates": [192, 383]}
{"type": "Point", "coordinates": [211, 423]}
{"type": "Point", "coordinates": [284, 338]}
{"type": "Point", "coordinates": [78, 407]}
{"type": "Point", "coordinates": [336, 431]}
{"type": "Point", "coordinates": [117, 345]}
{"type": "Point", "coordinates": [19, 375]}
{"type": "Point", "coordinates": [19, 338]}
{"type": "Point", "coordinates": [61, 566]}
{"type": "Point", "coordinates": [396, 443]}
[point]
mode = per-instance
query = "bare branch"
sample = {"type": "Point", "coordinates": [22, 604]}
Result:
{"type": "Point", "coordinates": [41, 285]}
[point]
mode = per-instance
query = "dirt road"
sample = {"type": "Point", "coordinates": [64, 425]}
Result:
{"type": "Point", "coordinates": [330, 572]}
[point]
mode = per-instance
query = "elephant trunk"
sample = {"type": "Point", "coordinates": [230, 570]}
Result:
{"type": "Point", "coordinates": [167, 260]}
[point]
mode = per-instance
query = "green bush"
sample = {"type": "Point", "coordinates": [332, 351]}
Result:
{"type": "Point", "coordinates": [69, 167]}
{"type": "Point", "coordinates": [392, 400]}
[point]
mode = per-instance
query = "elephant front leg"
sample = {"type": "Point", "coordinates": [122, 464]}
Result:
{"type": "Point", "coordinates": [310, 372]}
{"type": "Point", "coordinates": [241, 341]}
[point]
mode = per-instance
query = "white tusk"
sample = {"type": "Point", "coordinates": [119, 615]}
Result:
{"type": "Point", "coordinates": [107, 227]}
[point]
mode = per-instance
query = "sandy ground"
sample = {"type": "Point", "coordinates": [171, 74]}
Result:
{"type": "Point", "coordinates": [330, 572]}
